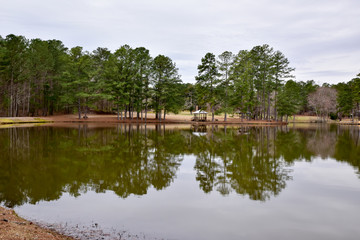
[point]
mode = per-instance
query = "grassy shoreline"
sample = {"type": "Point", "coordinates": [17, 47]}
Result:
{"type": "Point", "coordinates": [22, 120]}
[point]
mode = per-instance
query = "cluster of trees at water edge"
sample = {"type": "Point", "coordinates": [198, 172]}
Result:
{"type": "Point", "coordinates": [39, 77]}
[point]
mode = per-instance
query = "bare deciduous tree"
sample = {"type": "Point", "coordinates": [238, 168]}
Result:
{"type": "Point", "coordinates": [323, 100]}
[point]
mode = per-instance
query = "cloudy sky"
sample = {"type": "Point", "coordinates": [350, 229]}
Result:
{"type": "Point", "coordinates": [321, 38]}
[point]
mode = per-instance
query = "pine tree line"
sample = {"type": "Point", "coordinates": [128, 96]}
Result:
{"type": "Point", "coordinates": [39, 78]}
{"type": "Point", "coordinates": [259, 84]}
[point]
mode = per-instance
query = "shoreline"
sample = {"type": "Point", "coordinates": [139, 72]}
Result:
{"type": "Point", "coordinates": [22, 120]}
{"type": "Point", "coordinates": [170, 119]}
{"type": "Point", "coordinates": [16, 228]}
{"type": "Point", "coordinates": [95, 118]}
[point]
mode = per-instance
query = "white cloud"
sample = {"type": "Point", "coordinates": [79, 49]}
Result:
{"type": "Point", "coordinates": [320, 38]}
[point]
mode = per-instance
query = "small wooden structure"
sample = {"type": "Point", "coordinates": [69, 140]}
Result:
{"type": "Point", "coordinates": [200, 116]}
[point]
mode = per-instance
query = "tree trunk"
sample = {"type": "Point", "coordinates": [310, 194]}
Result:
{"type": "Point", "coordinates": [275, 106]}
{"type": "Point", "coordinates": [85, 115]}
{"type": "Point", "coordinates": [28, 98]}
{"type": "Point", "coordinates": [263, 112]}
{"type": "Point", "coordinates": [16, 106]}
{"type": "Point", "coordinates": [118, 112]}
{"type": "Point", "coordinates": [164, 114]}
{"type": "Point", "coordinates": [226, 97]}
{"type": "Point", "coordinates": [24, 99]}
{"type": "Point", "coordinates": [79, 108]}
{"type": "Point", "coordinates": [11, 95]}
{"type": "Point", "coordinates": [212, 114]}
{"type": "Point", "coordinates": [268, 108]}
{"type": "Point", "coordinates": [146, 112]}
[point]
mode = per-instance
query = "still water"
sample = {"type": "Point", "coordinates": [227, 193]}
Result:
{"type": "Point", "coordinates": [186, 182]}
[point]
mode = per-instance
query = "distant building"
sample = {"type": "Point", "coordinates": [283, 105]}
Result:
{"type": "Point", "coordinates": [199, 116]}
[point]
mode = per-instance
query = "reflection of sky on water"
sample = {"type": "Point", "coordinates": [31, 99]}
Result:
{"type": "Point", "coordinates": [199, 134]}
{"type": "Point", "coordinates": [321, 202]}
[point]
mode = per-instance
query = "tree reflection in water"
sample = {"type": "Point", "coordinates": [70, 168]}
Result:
{"type": "Point", "coordinates": [40, 163]}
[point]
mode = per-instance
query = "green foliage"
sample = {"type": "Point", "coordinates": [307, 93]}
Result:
{"type": "Point", "coordinates": [289, 99]}
{"type": "Point", "coordinates": [355, 86]}
{"type": "Point", "coordinates": [242, 77]}
{"type": "Point", "coordinates": [167, 94]}
{"type": "Point", "coordinates": [190, 96]}
{"type": "Point", "coordinates": [143, 62]}
{"type": "Point", "coordinates": [207, 82]}
{"type": "Point", "coordinates": [42, 77]}
{"type": "Point", "coordinates": [307, 88]}
{"type": "Point", "coordinates": [256, 79]}
{"type": "Point", "coordinates": [13, 73]}
{"type": "Point", "coordinates": [348, 98]}
{"type": "Point", "coordinates": [333, 116]}
{"type": "Point", "coordinates": [224, 66]}
{"type": "Point", "coordinates": [345, 98]}
{"type": "Point", "coordinates": [79, 85]}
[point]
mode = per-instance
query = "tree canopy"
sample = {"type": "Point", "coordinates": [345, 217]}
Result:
{"type": "Point", "coordinates": [39, 77]}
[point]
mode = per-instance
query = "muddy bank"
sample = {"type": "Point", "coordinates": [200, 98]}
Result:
{"type": "Point", "coordinates": [170, 119]}
{"type": "Point", "coordinates": [105, 118]}
{"type": "Point", "coordinates": [15, 228]}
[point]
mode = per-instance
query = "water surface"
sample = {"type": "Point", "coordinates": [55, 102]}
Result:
{"type": "Point", "coordinates": [186, 182]}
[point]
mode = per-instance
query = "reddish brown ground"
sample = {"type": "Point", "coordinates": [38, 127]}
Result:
{"type": "Point", "coordinates": [12, 227]}
{"type": "Point", "coordinates": [170, 118]}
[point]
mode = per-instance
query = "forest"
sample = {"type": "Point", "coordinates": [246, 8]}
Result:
{"type": "Point", "coordinates": [44, 77]}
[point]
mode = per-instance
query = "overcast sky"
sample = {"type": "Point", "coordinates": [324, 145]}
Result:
{"type": "Point", "coordinates": [321, 38]}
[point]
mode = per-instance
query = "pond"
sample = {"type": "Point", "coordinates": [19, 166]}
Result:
{"type": "Point", "coordinates": [185, 182]}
